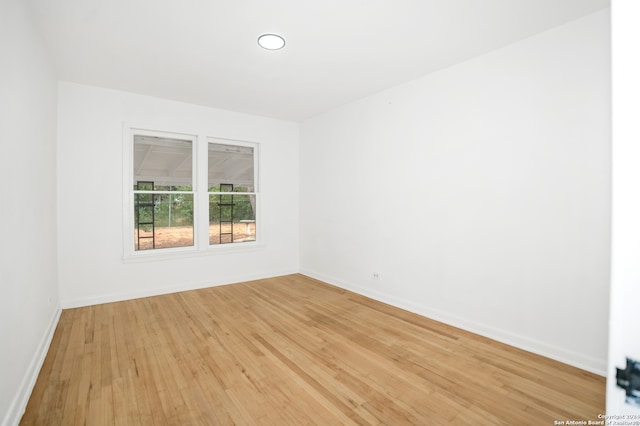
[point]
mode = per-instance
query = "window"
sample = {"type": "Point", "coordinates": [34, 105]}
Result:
{"type": "Point", "coordinates": [232, 196]}
{"type": "Point", "coordinates": [163, 192]}
{"type": "Point", "coordinates": [188, 193]}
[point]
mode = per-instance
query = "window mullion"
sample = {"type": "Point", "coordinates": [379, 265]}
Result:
{"type": "Point", "coordinates": [202, 197]}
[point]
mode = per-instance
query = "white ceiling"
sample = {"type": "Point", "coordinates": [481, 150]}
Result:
{"type": "Point", "coordinates": [205, 51]}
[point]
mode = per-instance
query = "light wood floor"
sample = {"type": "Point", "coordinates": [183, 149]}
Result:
{"type": "Point", "coordinates": [292, 350]}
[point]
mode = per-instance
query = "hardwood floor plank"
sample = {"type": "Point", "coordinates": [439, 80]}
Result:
{"type": "Point", "coordinates": [292, 350]}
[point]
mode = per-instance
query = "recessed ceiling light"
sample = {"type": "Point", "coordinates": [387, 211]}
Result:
{"type": "Point", "coordinates": [271, 41]}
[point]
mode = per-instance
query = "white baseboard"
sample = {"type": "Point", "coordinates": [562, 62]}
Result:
{"type": "Point", "coordinates": [594, 365]}
{"type": "Point", "coordinates": [136, 294]}
{"type": "Point", "coordinates": [19, 403]}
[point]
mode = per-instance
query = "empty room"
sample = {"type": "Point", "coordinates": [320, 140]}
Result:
{"type": "Point", "coordinates": [291, 212]}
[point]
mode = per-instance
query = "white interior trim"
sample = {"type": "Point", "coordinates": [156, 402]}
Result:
{"type": "Point", "coordinates": [19, 403]}
{"type": "Point", "coordinates": [576, 359]}
{"type": "Point", "coordinates": [185, 286]}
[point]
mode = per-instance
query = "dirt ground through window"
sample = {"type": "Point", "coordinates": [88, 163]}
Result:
{"type": "Point", "coordinates": [182, 236]}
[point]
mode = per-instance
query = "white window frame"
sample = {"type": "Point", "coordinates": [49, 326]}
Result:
{"type": "Point", "coordinates": [256, 189]}
{"type": "Point", "coordinates": [200, 191]}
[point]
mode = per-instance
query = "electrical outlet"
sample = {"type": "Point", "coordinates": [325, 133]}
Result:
{"type": "Point", "coordinates": [375, 276]}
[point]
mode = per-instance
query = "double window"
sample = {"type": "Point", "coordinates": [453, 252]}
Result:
{"type": "Point", "coordinates": [188, 192]}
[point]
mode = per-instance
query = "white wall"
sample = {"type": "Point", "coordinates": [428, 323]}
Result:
{"type": "Point", "coordinates": [625, 267]}
{"type": "Point", "coordinates": [90, 201]}
{"type": "Point", "coordinates": [479, 194]}
{"type": "Point", "coordinates": [28, 273]}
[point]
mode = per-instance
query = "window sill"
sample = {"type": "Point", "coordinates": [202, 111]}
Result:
{"type": "Point", "coordinates": [190, 253]}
